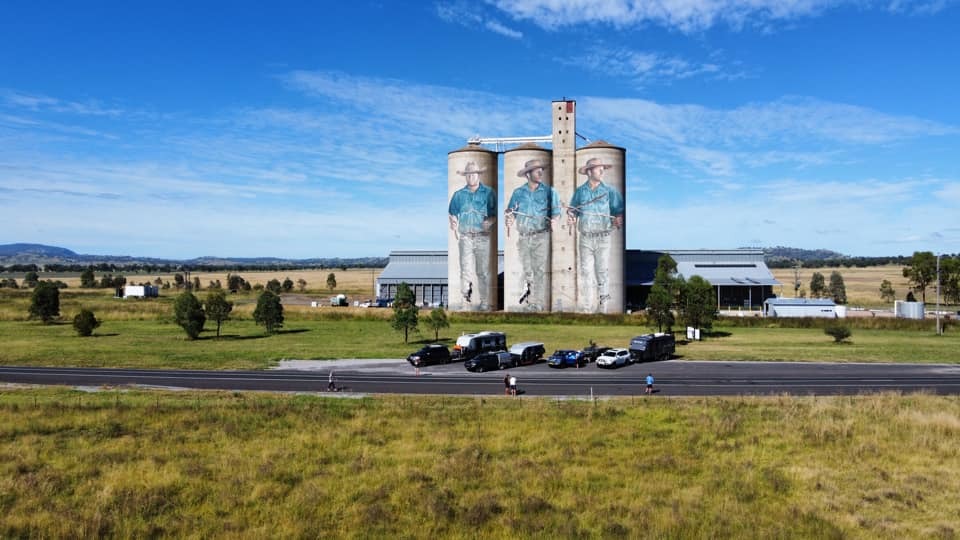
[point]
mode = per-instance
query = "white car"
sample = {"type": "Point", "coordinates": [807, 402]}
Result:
{"type": "Point", "coordinates": [614, 358]}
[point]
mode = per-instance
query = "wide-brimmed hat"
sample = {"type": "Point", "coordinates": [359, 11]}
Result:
{"type": "Point", "coordinates": [531, 165]}
{"type": "Point", "coordinates": [591, 163]}
{"type": "Point", "coordinates": [471, 168]}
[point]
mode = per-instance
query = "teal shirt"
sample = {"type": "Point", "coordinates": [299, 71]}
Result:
{"type": "Point", "coordinates": [534, 209]}
{"type": "Point", "coordinates": [596, 208]}
{"type": "Point", "coordinates": [471, 208]}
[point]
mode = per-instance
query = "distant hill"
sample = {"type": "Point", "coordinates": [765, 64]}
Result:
{"type": "Point", "coordinates": [39, 254]}
{"type": "Point", "coordinates": [36, 250]}
{"type": "Point", "coordinates": [780, 253]}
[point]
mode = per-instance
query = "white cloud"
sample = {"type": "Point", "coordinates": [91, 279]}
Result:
{"type": "Point", "coordinates": [37, 102]}
{"type": "Point", "coordinates": [470, 16]}
{"type": "Point", "coordinates": [643, 67]}
{"type": "Point", "coordinates": [684, 15]}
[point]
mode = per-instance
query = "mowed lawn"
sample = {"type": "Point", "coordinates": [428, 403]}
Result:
{"type": "Point", "coordinates": [244, 345]}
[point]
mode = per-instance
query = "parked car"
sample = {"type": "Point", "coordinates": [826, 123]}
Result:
{"type": "Point", "coordinates": [650, 347]}
{"type": "Point", "coordinates": [566, 358]}
{"type": "Point", "coordinates": [488, 361]}
{"type": "Point", "coordinates": [593, 351]}
{"type": "Point", "coordinates": [429, 355]}
{"type": "Point", "coordinates": [528, 352]}
{"type": "Point", "coordinates": [614, 358]}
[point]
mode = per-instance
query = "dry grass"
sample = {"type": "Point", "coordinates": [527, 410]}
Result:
{"type": "Point", "coordinates": [353, 282]}
{"type": "Point", "coordinates": [862, 284]}
{"type": "Point", "coordinates": [247, 465]}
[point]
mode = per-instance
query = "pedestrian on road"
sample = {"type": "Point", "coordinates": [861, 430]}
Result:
{"type": "Point", "coordinates": [506, 384]}
{"type": "Point", "coordinates": [513, 385]}
{"type": "Point", "coordinates": [649, 389]}
{"type": "Point", "coordinates": [332, 383]}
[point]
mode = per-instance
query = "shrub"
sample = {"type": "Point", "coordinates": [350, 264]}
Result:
{"type": "Point", "coordinates": [189, 315]}
{"type": "Point", "coordinates": [85, 323]}
{"type": "Point", "coordinates": [838, 331]}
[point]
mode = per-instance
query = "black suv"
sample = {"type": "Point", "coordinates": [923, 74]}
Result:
{"type": "Point", "coordinates": [591, 353]}
{"type": "Point", "coordinates": [431, 354]}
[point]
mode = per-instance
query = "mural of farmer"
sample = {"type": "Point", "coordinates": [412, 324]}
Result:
{"type": "Point", "coordinates": [596, 209]}
{"type": "Point", "coordinates": [534, 209]}
{"type": "Point", "coordinates": [472, 214]}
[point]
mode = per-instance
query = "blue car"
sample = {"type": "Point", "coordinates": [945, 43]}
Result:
{"type": "Point", "coordinates": [566, 358]}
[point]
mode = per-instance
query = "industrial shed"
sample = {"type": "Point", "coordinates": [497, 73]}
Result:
{"type": "Point", "coordinates": [426, 274]}
{"type": "Point", "coordinates": [801, 307]}
{"type": "Point", "coordinates": [740, 276]}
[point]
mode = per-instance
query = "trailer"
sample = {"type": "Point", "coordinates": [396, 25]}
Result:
{"type": "Point", "coordinates": [650, 347]}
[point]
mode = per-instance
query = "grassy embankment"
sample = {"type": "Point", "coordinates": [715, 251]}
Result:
{"type": "Point", "coordinates": [237, 465]}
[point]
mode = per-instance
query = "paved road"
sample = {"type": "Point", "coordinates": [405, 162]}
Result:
{"type": "Point", "coordinates": [673, 378]}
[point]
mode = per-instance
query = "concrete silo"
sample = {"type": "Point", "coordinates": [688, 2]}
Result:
{"type": "Point", "coordinates": [531, 211]}
{"type": "Point", "coordinates": [472, 232]}
{"type": "Point", "coordinates": [563, 249]}
{"type": "Point", "coordinates": [598, 207]}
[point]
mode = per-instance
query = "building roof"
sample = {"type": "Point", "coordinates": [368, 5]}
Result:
{"type": "Point", "coordinates": [729, 267]}
{"type": "Point", "coordinates": [420, 267]}
{"type": "Point", "coordinates": [799, 302]}
{"type": "Point", "coordinates": [720, 267]}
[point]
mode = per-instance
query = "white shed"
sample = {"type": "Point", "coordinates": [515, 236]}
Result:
{"type": "Point", "coordinates": [141, 291]}
{"type": "Point", "coordinates": [801, 307]}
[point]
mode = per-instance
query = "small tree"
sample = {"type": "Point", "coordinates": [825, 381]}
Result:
{"type": "Point", "coordinates": [287, 285]}
{"type": "Point", "coordinates": [405, 311]}
{"type": "Point", "coordinates": [218, 308]}
{"type": "Point", "coordinates": [30, 279]}
{"type": "Point", "coordinates": [887, 294]}
{"type": "Point", "coordinates": [45, 302]}
{"type": "Point", "coordinates": [87, 279]}
{"type": "Point", "coordinates": [838, 331]}
{"type": "Point", "coordinates": [331, 281]}
{"type": "Point", "coordinates": [85, 323]}
{"type": "Point", "coordinates": [436, 321]}
{"type": "Point", "coordinates": [274, 286]}
{"type": "Point", "coordinates": [838, 291]}
{"type": "Point", "coordinates": [188, 314]}
{"type": "Point", "coordinates": [910, 297]}
{"type": "Point", "coordinates": [235, 283]}
{"type": "Point", "coordinates": [269, 312]}
{"type": "Point", "coordinates": [818, 285]}
{"type": "Point", "coordinates": [301, 284]}
{"type": "Point", "coordinates": [921, 271]}
{"type": "Point", "coordinates": [663, 293]}
{"type": "Point", "coordinates": [697, 304]}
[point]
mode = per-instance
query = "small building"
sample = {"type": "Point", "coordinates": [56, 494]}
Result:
{"type": "Point", "coordinates": [802, 307]}
{"type": "Point", "coordinates": [139, 291]}
{"type": "Point", "coordinates": [908, 310]}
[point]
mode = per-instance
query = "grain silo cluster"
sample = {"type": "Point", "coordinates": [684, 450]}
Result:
{"type": "Point", "coordinates": [563, 211]}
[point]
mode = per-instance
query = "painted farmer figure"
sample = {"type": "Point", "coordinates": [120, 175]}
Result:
{"type": "Point", "coordinates": [533, 209]}
{"type": "Point", "coordinates": [596, 209]}
{"type": "Point", "coordinates": [472, 214]}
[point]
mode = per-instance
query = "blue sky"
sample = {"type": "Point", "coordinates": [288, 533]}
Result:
{"type": "Point", "coordinates": [321, 129]}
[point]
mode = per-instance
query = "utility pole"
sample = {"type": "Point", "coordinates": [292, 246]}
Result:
{"type": "Point", "coordinates": [939, 330]}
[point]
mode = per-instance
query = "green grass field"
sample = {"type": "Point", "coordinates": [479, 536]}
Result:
{"type": "Point", "coordinates": [248, 465]}
{"type": "Point", "coordinates": [140, 333]}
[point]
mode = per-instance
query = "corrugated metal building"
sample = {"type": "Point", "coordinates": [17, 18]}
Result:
{"type": "Point", "coordinates": [740, 276]}
{"type": "Point", "coordinates": [800, 307]}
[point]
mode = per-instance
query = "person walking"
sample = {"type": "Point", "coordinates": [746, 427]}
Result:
{"type": "Point", "coordinates": [331, 383]}
{"type": "Point", "coordinates": [513, 385]}
{"type": "Point", "coordinates": [649, 389]}
{"type": "Point", "coordinates": [506, 384]}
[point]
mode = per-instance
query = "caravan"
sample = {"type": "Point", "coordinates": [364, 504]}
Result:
{"type": "Point", "coordinates": [470, 345]}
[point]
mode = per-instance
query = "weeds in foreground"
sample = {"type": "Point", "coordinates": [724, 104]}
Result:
{"type": "Point", "coordinates": [140, 464]}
